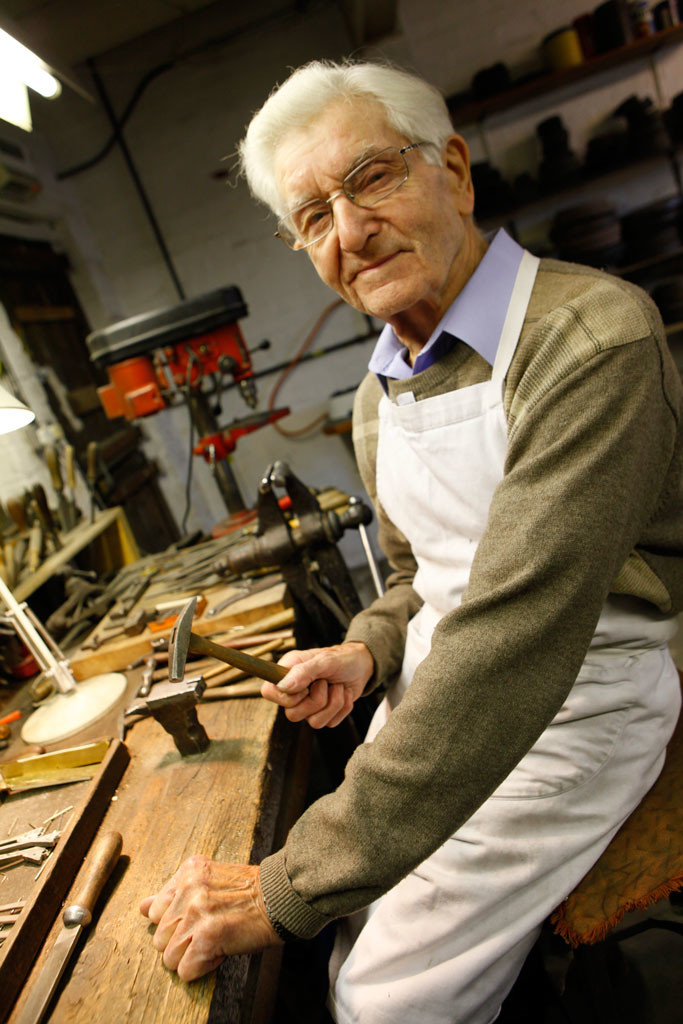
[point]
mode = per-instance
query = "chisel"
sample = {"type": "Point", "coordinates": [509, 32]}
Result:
{"type": "Point", "coordinates": [52, 460]}
{"type": "Point", "coordinates": [77, 916]}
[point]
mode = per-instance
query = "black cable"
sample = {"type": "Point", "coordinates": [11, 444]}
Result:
{"type": "Point", "coordinates": [137, 181]}
{"type": "Point", "coordinates": [256, 25]}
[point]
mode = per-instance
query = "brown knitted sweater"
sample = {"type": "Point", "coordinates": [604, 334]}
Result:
{"type": "Point", "coordinates": [590, 503]}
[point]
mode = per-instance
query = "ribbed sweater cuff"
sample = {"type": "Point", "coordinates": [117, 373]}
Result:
{"type": "Point", "coordinates": [285, 905]}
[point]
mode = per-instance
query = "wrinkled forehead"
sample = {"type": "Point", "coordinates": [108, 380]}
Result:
{"type": "Point", "coordinates": [313, 160]}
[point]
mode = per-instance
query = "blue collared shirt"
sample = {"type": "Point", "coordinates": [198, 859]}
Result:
{"type": "Point", "coordinates": [476, 316]}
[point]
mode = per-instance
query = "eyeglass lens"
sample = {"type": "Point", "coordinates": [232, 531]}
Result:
{"type": "Point", "coordinates": [367, 185]}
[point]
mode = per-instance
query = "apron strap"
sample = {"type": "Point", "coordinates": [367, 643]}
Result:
{"type": "Point", "coordinates": [519, 301]}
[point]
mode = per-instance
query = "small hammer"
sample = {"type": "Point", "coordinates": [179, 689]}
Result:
{"type": "Point", "coordinates": [183, 642]}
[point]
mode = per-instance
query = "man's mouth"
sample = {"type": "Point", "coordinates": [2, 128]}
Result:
{"type": "Point", "coordinates": [375, 265]}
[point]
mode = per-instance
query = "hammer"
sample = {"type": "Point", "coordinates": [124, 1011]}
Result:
{"type": "Point", "coordinates": [183, 641]}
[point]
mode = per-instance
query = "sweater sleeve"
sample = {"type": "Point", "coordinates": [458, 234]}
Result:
{"type": "Point", "coordinates": [583, 476]}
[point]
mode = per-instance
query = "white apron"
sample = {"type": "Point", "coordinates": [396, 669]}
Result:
{"type": "Point", "coordinates": [444, 945]}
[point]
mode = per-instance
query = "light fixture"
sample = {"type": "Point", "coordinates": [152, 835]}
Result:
{"type": "Point", "coordinates": [71, 707]}
{"type": "Point", "coordinates": [13, 413]}
{"type": "Point", "coordinates": [20, 63]}
{"type": "Point", "coordinates": [22, 69]}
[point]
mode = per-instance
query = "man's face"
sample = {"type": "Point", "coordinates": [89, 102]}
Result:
{"type": "Point", "coordinates": [404, 258]}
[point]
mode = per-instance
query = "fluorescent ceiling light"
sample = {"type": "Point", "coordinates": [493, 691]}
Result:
{"type": "Point", "coordinates": [14, 103]}
{"type": "Point", "coordinates": [18, 62]}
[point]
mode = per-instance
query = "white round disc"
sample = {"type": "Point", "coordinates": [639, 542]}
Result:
{"type": "Point", "coordinates": [65, 714]}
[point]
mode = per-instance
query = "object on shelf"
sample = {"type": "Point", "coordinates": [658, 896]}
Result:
{"type": "Point", "coordinates": [609, 147]}
{"type": "Point", "coordinates": [668, 297]}
{"type": "Point", "coordinates": [588, 233]}
{"type": "Point", "coordinates": [653, 229]}
{"type": "Point", "coordinates": [562, 49]}
{"type": "Point", "coordinates": [493, 195]}
{"type": "Point", "coordinates": [612, 26]}
{"type": "Point", "coordinates": [584, 29]}
{"type": "Point", "coordinates": [674, 118]}
{"type": "Point", "coordinates": [647, 135]}
{"type": "Point", "coordinates": [642, 18]}
{"type": "Point", "coordinates": [665, 15]}
{"type": "Point", "coordinates": [490, 81]}
{"type": "Point", "coordinates": [559, 164]}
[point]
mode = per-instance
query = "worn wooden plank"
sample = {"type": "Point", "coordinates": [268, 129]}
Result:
{"type": "Point", "coordinates": [43, 901]}
{"type": "Point", "coordinates": [167, 808]}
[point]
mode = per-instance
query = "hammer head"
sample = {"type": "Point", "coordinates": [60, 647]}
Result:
{"type": "Point", "coordinates": [179, 644]}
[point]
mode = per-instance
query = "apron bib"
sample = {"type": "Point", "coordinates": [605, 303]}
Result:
{"type": "Point", "coordinates": [447, 942]}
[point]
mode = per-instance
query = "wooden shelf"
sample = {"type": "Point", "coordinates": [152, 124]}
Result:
{"type": "Point", "coordinates": [581, 183]}
{"type": "Point", "coordinates": [110, 527]}
{"type": "Point", "coordinates": [517, 94]}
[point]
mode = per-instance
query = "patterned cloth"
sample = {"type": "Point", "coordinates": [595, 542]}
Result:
{"type": "Point", "coordinates": [642, 864]}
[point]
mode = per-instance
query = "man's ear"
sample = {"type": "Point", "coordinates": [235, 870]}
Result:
{"type": "Point", "coordinates": [457, 163]}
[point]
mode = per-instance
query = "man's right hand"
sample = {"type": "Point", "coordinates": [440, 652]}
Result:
{"type": "Point", "coordinates": [322, 683]}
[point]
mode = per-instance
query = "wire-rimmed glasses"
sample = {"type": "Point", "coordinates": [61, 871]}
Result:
{"type": "Point", "coordinates": [366, 185]}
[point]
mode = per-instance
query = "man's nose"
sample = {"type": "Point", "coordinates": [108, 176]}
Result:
{"type": "Point", "coordinates": [354, 224]}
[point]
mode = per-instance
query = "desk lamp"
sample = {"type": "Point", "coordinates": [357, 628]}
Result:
{"type": "Point", "coordinates": [73, 706]}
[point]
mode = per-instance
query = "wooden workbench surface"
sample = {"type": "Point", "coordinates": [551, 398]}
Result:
{"type": "Point", "coordinates": [223, 803]}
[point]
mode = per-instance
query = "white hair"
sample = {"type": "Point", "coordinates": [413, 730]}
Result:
{"type": "Point", "coordinates": [413, 107]}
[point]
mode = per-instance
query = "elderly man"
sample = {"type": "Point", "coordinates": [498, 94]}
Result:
{"type": "Point", "coordinates": [520, 435]}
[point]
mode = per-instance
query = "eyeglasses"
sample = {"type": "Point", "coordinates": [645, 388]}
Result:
{"type": "Point", "coordinates": [366, 186]}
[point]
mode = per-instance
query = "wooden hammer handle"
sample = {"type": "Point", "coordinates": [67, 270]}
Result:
{"type": "Point", "coordinates": [238, 659]}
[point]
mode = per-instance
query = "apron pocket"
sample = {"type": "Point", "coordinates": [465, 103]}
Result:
{"type": "Point", "coordinates": [581, 738]}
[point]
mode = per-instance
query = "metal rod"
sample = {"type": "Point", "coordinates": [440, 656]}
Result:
{"type": "Point", "coordinates": [58, 670]}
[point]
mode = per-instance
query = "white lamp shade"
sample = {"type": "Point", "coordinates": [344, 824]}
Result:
{"type": "Point", "coordinates": [13, 413]}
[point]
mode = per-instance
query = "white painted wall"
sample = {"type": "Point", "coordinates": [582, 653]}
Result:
{"type": "Point", "coordinates": [192, 116]}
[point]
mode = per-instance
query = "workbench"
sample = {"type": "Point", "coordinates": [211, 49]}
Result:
{"type": "Point", "coordinates": [234, 802]}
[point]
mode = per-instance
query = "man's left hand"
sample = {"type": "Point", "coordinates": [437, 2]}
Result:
{"type": "Point", "coordinates": [208, 911]}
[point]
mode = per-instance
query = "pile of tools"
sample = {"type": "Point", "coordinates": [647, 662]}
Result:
{"type": "Point", "coordinates": [30, 529]}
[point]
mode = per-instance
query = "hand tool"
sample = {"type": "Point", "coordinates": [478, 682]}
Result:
{"type": "Point", "coordinates": [35, 547]}
{"type": "Point", "coordinates": [77, 916]}
{"type": "Point", "coordinates": [135, 624]}
{"type": "Point", "coordinates": [91, 476]}
{"type": "Point", "coordinates": [27, 840]}
{"type": "Point", "coordinates": [246, 589]}
{"type": "Point", "coordinates": [17, 510]}
{"type": "Point", "coordinates": [7, 556]}
{"type": "Point", "coordinates": [147, 676]}
{"type": "Point", "coordinates": [70, 473]}
{"type": "Point", "coordinates": [44, 513]}
{"type": "Point", "coordinates": [174, 705]}
{"type": "Point", "coordinates": [52, 461]}
{"type": "Point", "coordinates": [183, 641]}
{"type": "Point", "coordinates": [133, 593]}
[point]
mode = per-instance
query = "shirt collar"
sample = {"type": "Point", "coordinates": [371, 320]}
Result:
{"type": "Point", "coordinates": [476, 316]}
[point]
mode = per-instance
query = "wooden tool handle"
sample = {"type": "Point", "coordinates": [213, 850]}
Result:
{"type": "Point", "coordinates": [248, 688]}
{"type": "Point", "coordinates": [97, 869]}
{"type": "Point", "coordinates": [92, 463]}
{"type": "Point", "coordinates": [16, 509]}
{"type": "Point", "coordinates": [52, 460]}
{"type": "Point", "coordinates": [70, 466]}
{"type": "Point", "coordinates": [252, 666]}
